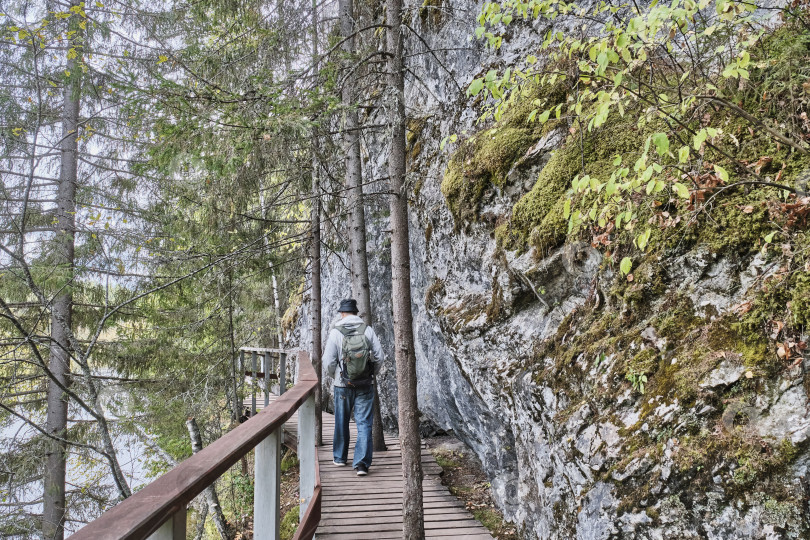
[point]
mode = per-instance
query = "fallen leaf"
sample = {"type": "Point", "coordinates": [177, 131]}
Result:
{"type": "Point", "coordinates": [796, 364]}
{"type": "Point", "coordinates": [630, 277]}
{"type": "Point", "coordinates": [779, 174]}
{"type": "Point", "coordinates": [744, 307]}
{"type": "Point", "coordinates": [779, 325]}
{"type": "Point", "coordinates": [761, 163]}
{"type": "Point", "coordinates": [748, 209]}
{"type": "Point", "coordinates": [749, 374]}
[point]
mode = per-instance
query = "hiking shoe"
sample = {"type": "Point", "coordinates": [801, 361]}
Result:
{"type": "Point", "coordinates": [361, 469]}
{"type": "Point", "coordinates": [338, 463]}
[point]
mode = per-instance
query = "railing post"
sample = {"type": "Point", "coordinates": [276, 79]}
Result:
{"type": "Point", "coordinates": [267, 488]}
{"type": "Point", "coordinates": [240, 376]}
{"type": "Point", "coordinates": [173, 529]}
{"type": "Point", "coordinates": [266, 369]}
{"type": "Point", "coordinates": [253, 386]}
{"type": "Point", "coordinates": [306, 453]}
{"type": "Point", "coordinates": [282, 373]}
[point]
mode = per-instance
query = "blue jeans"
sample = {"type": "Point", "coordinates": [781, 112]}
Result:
{"type": "Point", "coordinates": [362, 401]}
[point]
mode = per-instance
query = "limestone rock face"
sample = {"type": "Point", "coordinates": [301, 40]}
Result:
{"type": "Point", "coordinates": [563, 461]}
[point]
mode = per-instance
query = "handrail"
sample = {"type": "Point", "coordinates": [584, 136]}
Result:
{"type": "Point", "coordinates": [312, 516]}
{"type": "Point", "coordinates": [162, 500]}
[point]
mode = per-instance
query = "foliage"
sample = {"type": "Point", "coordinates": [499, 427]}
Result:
{"type": "Point", "coordinates": [666, 68]}
{"type": "Point", "coordinates": [289, 523]}
{"type": "Point", "coordinates": [638, 380]}
{"type": "Point", "coordinates": [192, 137]}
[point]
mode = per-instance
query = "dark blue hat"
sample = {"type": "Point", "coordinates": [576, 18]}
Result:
{"type": "Point", "coordinates": [348, 306]}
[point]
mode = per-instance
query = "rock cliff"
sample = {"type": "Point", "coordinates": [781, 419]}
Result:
{"type": "Point", "coordinates": [600, 407]}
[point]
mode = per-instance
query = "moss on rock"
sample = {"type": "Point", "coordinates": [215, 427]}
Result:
{"type": "Point", "coordinates": [480, 162]}
{"type": "Point", "coordinates": [484, 159]}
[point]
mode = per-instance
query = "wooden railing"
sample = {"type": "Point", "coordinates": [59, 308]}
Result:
{"type": "Point", "coordinates": [158, 511]}
{"type": "Point", "coordinates": [266, 373]}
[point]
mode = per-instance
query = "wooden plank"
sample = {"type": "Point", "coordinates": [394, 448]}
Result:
{"type": "Point", "coordinates": [264, 350]}
{"type": "Point", "coordinates": [437, 515]}
{"type": "Point", "coordinates": [395, 506]}
{"type": "Point", "coordinates": [261, 375]}
{"type": "Point", "coordinates": [460, 534]}
{"type": "Point", "coordinates": [384, 524]}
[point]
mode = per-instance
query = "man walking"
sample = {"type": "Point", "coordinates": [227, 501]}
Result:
{"type": "Point", "coordinates": [353, 355]}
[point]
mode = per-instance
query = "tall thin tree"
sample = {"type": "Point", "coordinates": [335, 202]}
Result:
{"type": "Point", "coordinates": [413, 522]}
{"type": "Point", "coordinates": [315, 252]}
{"type": "Point", "coordinates": [354, 185]}
{"type": "Point", "coordinates": [53, 510]}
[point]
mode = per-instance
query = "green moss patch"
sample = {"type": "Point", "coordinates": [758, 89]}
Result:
{"type": "Point", "coordinates": [484, 159]}
{"type": "Point", "coordinates": [480, 162]}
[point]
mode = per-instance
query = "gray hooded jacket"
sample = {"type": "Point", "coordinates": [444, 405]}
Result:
{"type": "Point", "coordinates": [333, 352]}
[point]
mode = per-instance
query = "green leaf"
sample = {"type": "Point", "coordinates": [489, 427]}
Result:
{"type": "Point", "coordinates": [567, 209]}
{"type": "Point", "coordinates": [602, 60]}
{"type": "Point", "coordinates": [475, 87]}
{"type": "Point", "coordinates": [683, 154]}
{"type": "Point", "coordinates": [626, 265]}
{"type": "Point", "coordinates": [617, 161]}
{"type": "Point", "coordinates": [661, 143]}
{"type": "Point", "coordinates": [698, 139]}
{"type": "Point", "coordinates": [681, 190]}
{"type": "Point", "coordinates": [721, 172]}
{"type": "Point", "coordinates": [769, 237]}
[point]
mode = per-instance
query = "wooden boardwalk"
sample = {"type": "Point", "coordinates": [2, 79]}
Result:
{"type": "Point", "coordinates": [370, 507]}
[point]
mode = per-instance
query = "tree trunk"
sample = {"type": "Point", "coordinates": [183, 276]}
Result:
{"type": "Point", "coordinates": [279, 338]}
{"type": "Point", "coordinates": [315, 304]}
{"type": "Point", "coordinates": [354, 186]}
{"type": "Point", "coordinates": [53, 509]}
{"type": "Point", "coordinates": [201, 522]}
{"type": "Point", "coordinates": [237, 406]}
{"type": "Point", "coordinates": [210, 492]}
{"type": "Point", "coordinates": [410, 443]}
{"type": "Point", "coordinates": [315, 254]}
